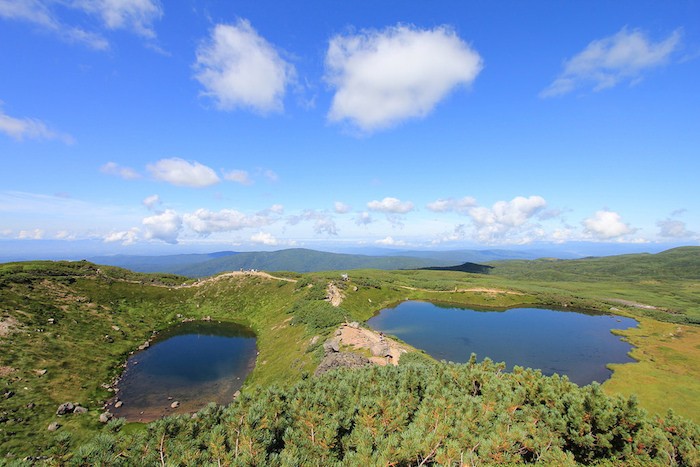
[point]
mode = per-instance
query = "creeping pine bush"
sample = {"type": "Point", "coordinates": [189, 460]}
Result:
{"type": "Point", "coordinates": [418, 413]}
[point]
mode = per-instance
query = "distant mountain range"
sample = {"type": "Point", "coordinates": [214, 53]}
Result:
{"type": "Point", "coordinates": [303, 260]}
{"type": "Point", "coordinates": [294, 259]}
{"type": "Point", "coordinates": [678, 262]}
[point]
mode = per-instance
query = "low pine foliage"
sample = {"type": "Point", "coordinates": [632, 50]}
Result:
{"type": "Point", "coordinates": [418, 413]}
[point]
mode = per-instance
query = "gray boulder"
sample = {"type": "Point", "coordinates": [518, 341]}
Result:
{"type": "Point", "coordinates": [331, 345]}
{"type": "Point", "coordinates": [78, 409]}
{"type": "Point", "coordinates": [105, 417]}
{"type": "Point", "coordinates": [380, 350]}
{"type": "Point", "coordinates": [65, 408]}
{"type": "Point", "coordinates": [53, 426]}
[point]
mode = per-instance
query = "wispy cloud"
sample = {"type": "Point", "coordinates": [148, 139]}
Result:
{"type": "Point", "coordinates": [673, 228]}
{"type": "Point", "coordinates": [385, 77]}
{"type": "Point", "coordinates": [607, 62]}
{"type": "Point", "coordinates": [450, 204]}
{"type": "Point", "coordinates": [323, 223]}
{"type": "Point", "coordinates": [30, 128]}
{"type": "Point", "coordinates": [240, 69]}
{"type": "Point", "coordinates": [127, 173]}
{"type": "Point", "coordinates": [137, 16]}
{"type": "Point", "coordinates": [238, 176]}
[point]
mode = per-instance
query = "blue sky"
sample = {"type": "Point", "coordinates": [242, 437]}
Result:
{"type": "Point", "coordinates": [144, 125]}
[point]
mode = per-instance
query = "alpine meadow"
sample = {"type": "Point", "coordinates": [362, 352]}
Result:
{"type": "Point", "coordinates": [409, 233]}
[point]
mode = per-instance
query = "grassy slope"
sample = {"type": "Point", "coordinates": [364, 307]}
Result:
{"type": "Point", "coordinates": [87, 303]}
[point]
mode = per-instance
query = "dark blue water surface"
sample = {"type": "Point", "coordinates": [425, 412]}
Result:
{"type": "Point", "coordinates": [192, 363]}
{"type": "Point", "coordinates": [569, 343]}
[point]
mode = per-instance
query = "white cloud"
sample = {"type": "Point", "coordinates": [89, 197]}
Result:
{"type": "Point", "coordinates": [135, 15]}
{"type": "Point", "coordinates": [504, 218]}
{"type": "Point", "coordinates": [165, 226]}
{"type": "Point", "coordinates": [36, 234]}
{"type": "Point", "coordinates": [264, 238]}
{"type": "Point", "coordinates": [239, 68]}
{"type": "Point", "coordinates": [323, 222]}
{"type": "Point", "coordinates": [341, 208]}
{"type": "Point", "coordinates": [605, 225]}
{"type": "Point", "coordinates": [151, 202]}
{"type": "Point", "coordinates": [390, 205]}
{"type": "Point", "coordinates": [606, 62]}
{"type": "Point", "coordinates": [29, 128]}
{"type": "Point", "coordinates": [670, 228]}
{"type": "Point", "coordinates": [126, 237]}
{"type": "Point", "coordinates": [363, 218]}
{"type": "Point", "coordinates": [277, 209]}
{"type": "Point", "coordinates": [182, 173]}
{"type": "Point", "coordinates": [238, 176]}
{"type": "Point", "coordinates": [389, 241]}
{"type": "Point", "coordinates": [205, 222]}
{"type": "Point", "coordinates": [127, 173]}
{"type": "Point", "coordinates": [385, 77]}
{"type": "Point", "coordinates": [451, 204]}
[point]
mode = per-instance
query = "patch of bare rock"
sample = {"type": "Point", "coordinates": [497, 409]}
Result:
{"type": "Point", "coordinates": [350, 345]}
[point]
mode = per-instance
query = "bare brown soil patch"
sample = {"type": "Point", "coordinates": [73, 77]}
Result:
{"type": "Point", "coordinates": [363, 340]}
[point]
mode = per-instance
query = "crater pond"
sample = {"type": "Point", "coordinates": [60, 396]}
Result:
{"type": "Point", "coordinates": [574, 344]}
{"type": "Point", "coordinates": [192, 363]}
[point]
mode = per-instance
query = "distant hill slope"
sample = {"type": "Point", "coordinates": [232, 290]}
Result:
{"type": "Point", "coordinates": [164, 263]}
{"type": "Point", "coordinates": [465, 267]}
{"type": "Point", "coordinates": [303, 260]}
{"type": "Point", "coordinates": [295, 259]}
{"type": "Point", "coordinates": [677, 263]}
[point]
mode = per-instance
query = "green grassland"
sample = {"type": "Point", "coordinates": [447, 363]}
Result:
{"type": "Point", "coordinates": [100, 314]}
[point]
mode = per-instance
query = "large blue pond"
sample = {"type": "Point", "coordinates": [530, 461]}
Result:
{"type": "Point", "coordinates": [578, 345]}
{"type": "Point", "coordinates": [192, 363]}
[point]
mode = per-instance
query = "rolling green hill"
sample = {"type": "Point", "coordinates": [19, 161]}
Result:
{"type": "Point", "coordinates": [676, 264]}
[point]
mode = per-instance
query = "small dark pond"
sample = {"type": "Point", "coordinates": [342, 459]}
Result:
{"type": "Point", "coordinates": [569, 343]}
{"type": "Point", "coordinates": [192, 363]}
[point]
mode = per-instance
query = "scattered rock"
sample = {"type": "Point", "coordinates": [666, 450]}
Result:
{"type": "Point", "coordinates": [105, 417]}
{"type": "Point", "coordinates": [65, 408]}
{"type": "Point", "coordinates": [175, 405]}
{"type": "Point", "coordinates": [52, 321]}
{"type": "Point", "coordinates": [354, 325]}
{"type": "Point", "coordinates": [380, 350]}
{"type": "Point", "coordinates": [31, 405]}
{"type": "Point", "coordinates": [116, 328]}
{"type": "Point", "coordinates": [331, 345]}
{"type": "Point", "coordinates": [79, 410]}
{"type": "Point", "coordinates": [236, 394]}
{"type": "Point", "coordinates": [341, 360]}
{"type": "Point", "coordinates": [338, 332]}
{"type": "Point", "coordinates": [314, 340]}
{"type": "Point", "coordinates": [54, 426]}
{"type": "Point", "coordinates": [41, 372]}
{"type": "Point", "coordinates": [118, 404]}
{"type": "Point", "coordinates": [144, 346]}
{"type": "Point", "coordinates": [8, 394]}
